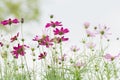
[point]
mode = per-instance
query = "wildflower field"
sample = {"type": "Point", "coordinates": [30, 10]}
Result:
{"type": "Point", "coordinates": [44, 57]}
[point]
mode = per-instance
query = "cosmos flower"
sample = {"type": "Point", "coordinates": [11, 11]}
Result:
{"type": "Point", "coordinates": [86, 25]}
{"type": "Point", "coordinates": [19, 50]}
{"type": "Point", "coordinates": [90, 34]}
{"type": "Point", "coordinates": [42, 55]}
{"type": "Point", "coordinates": [61, 31]}
{"type": "Point", "coordinates": [63, 57]}
{"type": "Point", "coordinates": [44, 40]}
{"type": "Point", "coordinates": [36, 38]}
{"type": "Point", "coordinates": [9, 21]}
{"type": "Point", "coordinates": [79, 64]}
{"type": "Point", "coordinates": [59, 39]}
{"type": "Point", "coordinates": [74, 48]}
{"type": "Point", "coordinates": [103, 31]}
{"type": "Point", "coordinates": [53, 24]}
{"type": "Point", "coordinates": [90, 45]}
{"type": "Point", "coordinates": [14, 37]}
{"type": "Point", "coordinates": [110, 57]}
{"type": "Point", "coordinates": [1, 44]}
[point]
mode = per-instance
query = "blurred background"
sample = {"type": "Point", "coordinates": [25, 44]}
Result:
{"type": "Point", "coordinates": [73, 13]}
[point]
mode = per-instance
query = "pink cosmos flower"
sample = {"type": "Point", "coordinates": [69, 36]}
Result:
{"type": "Point", "coordinates": [42, 55]}
{"type": "Point", "coordinates": [5, 22]}
{"type": "Point", "coordinates": [63, 57]}
{"type": "Point", "coordinates": [14, 37]}
{"type": "Point", "coordinates": [74, 48]}
{"type": "Point", "coordinates": [86, 25]}
{"type": "Point", "coordinates": [110, 57]}
{"type": "Point", "coordinates": [36, 38]}
{"type": "Point", "coordinates": [79, 64]}
{"type": "Point", "coordinates": [59, 39]}
{"type": "Point", "coordinates": [15, 21]}
{"type": "Point", "coordinates": [44, 40]}
{"type": "Point", "coordinates": [9, 21]}
{"type": "Point", "coordinates": [19, 50]}
{"type": "Point", "coordinates": [61, 31]}
{"type": "Point", "coordinates": [90, 34]}
{"type": "Point", "coordinates": [90, 45]}
{"type": "Point", "coordinates": [103, 31]}
{"type": "Point", "coordinates": [53, 24]}
{"type": "Point", "coordinates": [1, 44]}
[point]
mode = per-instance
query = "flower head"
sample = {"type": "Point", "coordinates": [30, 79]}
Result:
{"type": "Point", "coordinates": [9, 21]}
{"type": "Point", "coordinates": [1, 44]}
{"type": "Point", "coordinates": [90, 34]}
{"type": "Point", "coordinates": [86, 25]}
{"type": "Point", "coordinates": [36, 38]}
{"type": "Point", "coordinates": [61, 31]}
{"type": "Point", "coordinates": [90, 45]}
{"type": "Point", "coordinates": [74, 48]}
{"type": "Point", "coordinates": [63, 57]}
{"type": "Point", "coordinates": [59, 39]}
{"type": "Point", "coordinates": [14, 37]}
{"type": "Point", "coordinates": [79, 64]}
{"type": "Point", "coordinates": [103, 31]}
{"type": "Point", "coordinates": [42, 55]}
{"type": "Point", "coordinates": [19, 50]}
{"type": "Point", "coordinates": [110, 57]}
{"type": "Point", "coordinates": [53, 24]}
{"type": "Point", "coordinates": [44, 40]}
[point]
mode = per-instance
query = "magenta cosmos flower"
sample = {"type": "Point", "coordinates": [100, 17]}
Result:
{"type": "Point", "coordinates": [19, 50]}
{"type": "Point", "coordinates": [42, 55]}
{"type": "Point", "coordinates": [9, 21]}
{"type": "Point", "coordinates": [110, 57]}
{"type": "Point", "coordinates": [103, 31]}
{"type": "Point", "coordinates": [59, 39]}
{"type": "Point", "coordinates": [61, 31]}
{"type": "Point", "coordinates": [44, 40]}
{"type": "Point", "coordinates": [1, 44]}
{"type": "Point", "coordinates": [90, 33]}
{"type": "Point", "coordinates": [53, 24]}
{"type": "Point", "coordinates": [14, 37]}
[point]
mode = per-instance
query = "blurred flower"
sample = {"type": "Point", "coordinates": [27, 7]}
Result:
{"type": "Point", "coordinates": [15, 21]}
{"type": "Point", "coordinates": [79, 64]}
{"type": "Point", "coordinates": [53, 24]}
{"type": "Point", "coordinates": [61, 31]}
{"type": "Point", "coordinates": [103, 31]}
{"type": "Point", "coordinates": [110, 57]}
{"type": "Point", "coordinates": [74, 48]}
{"type": "Point", "coordinates": [14, 37]}
{"type": "Point", "coordinates": [90, 45]}
{"type": "Point", "coordinates": [36, 38]}
{"type": "Point", "coordinates": [1, 44]}
{"type": "Point", "coordinates": [19, 50]}
{"type": "Point", "coordinates": [86, 25]}
{"type": "Point", "coordinates": [42, 55]}
{"type": "Point", "coordinates": [63, 57]}
{"type": "Point", "coordinates": [44, 40]}
{"type": "Point", "coordinates": [90, 34]}
{"type": "Point", "coordinates": [59, 39]}
{"type": "Point", "coordinates": [9, 21]}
